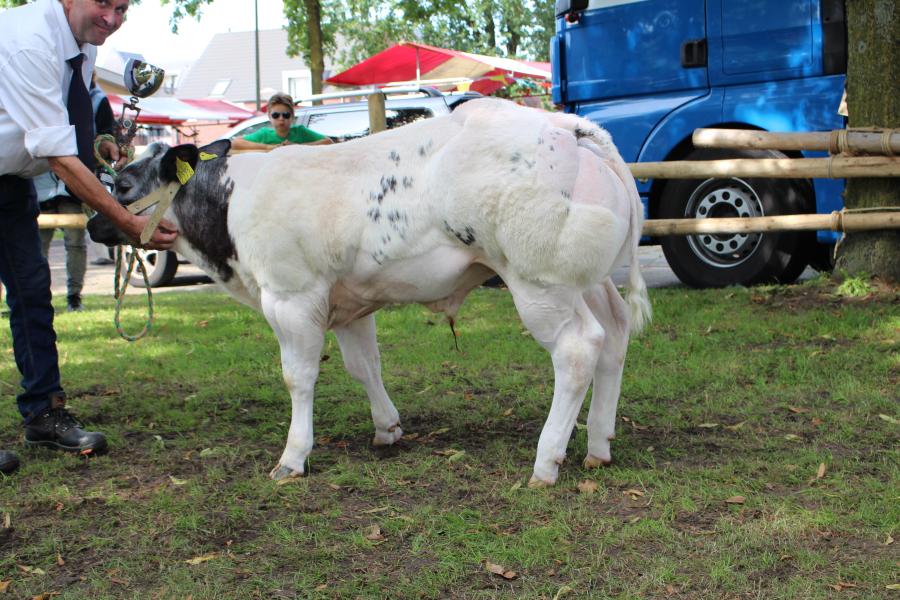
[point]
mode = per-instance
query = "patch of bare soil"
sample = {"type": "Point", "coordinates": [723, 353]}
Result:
{"type": "Point", "coordinates": [799, 298]}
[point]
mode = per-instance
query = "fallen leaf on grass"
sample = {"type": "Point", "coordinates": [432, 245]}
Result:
{"type": "Point", "coordinates": [791, 437]}
{"type": "Point", "coordinates": [797, 410]}
{"type": "Point", "coordinates": [176, 481]}
{"type": "Point", "coordinates": [892, 586]}
{"type": "Point", "coordinates": [735, 500]}
{"type": "Point", "coordinates": [736, 426]}
{"type": "Point", "coordinates": [841, 586]}
{"type": "Point", "coordinates": [31, 570]}
{"type": "Point", "coordinates": [821, 472]}
{"type": "Point", "coordinates": [202, 559]}
{"type": "Point", "coordinates": [708, 425]}
{"type": "Point", "coordinates": [501, 571]}
{"type": "Point", "coordinates": [587, 486]}
{"type": "Point", "coordinates": [7, 521]}
{"type": "Point", "coordinates": [4, 586]}
{"type": "Point", "coordinates": [507, 412]}
{"type": "Point", "coordinates": [889, 419]}
{"type": "Point", "coordinates": [45, 596]}
{"type": "Point", "coordinates": [888, 541]}
{"type": "Point", "coordinates": [58, 506]}
{"type": "Point", "coordinates": [203, 323]}
{"type": "Point", "coordinates": [374, 533]}
{"type": "Point", "coordinates": [635, 494]}
{"type": "Point", "coordinates": [515, 486]}
{"type": "Point", "coordinates": [323, 587]}
{"type": "Point", "coordinates": [59, 560]}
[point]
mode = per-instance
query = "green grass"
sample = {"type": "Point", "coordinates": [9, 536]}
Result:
{"type": "Point", "coordinates": [729, 393]}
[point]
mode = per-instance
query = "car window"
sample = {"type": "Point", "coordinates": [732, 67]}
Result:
{"type": "Point", "coordinates": [250, 129]}
{"type": "Point", "coordinates": [349, 124]}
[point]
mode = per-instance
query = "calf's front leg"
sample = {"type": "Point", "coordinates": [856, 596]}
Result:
{"type": "Point", "coordinates": [300, 335]}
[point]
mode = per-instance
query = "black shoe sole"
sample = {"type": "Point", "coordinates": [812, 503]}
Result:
{"type": "Point", "coordinates": [57, 446]}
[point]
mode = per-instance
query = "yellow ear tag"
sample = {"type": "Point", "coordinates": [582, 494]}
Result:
{"type": "Point", "coordinates": [183, 171]}
{"type": "Point", "coordinates": [208, 156]}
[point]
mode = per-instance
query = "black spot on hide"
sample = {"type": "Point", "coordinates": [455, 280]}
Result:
{"type": "Point", "coordinates": [394, 157]}
{"type": "Point", "coordinates": [424, 149]}
{"type": "Point", "coordinates": [388, 184]}
{"type": "Point", "coordinates": [407, 182]}
{"type": "Point", "coordinates": [374, 214]}
{"type": "Point", "coordinates": [467, 236]}
{"type": "Point", "coordinates": [566, 194]}
{"type": "Point", "coordinates": [201, 207]}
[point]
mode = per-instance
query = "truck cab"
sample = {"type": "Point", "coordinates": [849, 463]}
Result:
{"type": "Point", "coordinates": [652, 71]}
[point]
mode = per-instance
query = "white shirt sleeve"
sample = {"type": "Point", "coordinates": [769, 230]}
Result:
{"type": "Point", "coordinates": [31, 97]}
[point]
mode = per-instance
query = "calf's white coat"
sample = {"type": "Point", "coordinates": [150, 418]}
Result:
{"type": "Point", "coordinates": [325, 236]}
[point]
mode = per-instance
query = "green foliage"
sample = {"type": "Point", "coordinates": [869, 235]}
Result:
{"type": "Point", "coordinates": [728, 393]}
{"type": "Point", "coordinates": [495, 27]}
{"type": "Point", "coordinates": [854, 287]}
{"type": "Point", "coordinates": [12, 3]}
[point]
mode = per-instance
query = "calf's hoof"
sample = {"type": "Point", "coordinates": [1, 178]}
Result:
{"type": "Point", "coordinates": [592, 462]}
{"type": "Point", "coordinates": [281, 473]}
{"type": "Point", "coordinates": [387, 438]}
{"type": "Point", "coordinates": [536, 483]}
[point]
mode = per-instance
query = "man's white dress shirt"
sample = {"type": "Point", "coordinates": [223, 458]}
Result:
{"type": "Point", "coordinates": [35, 43]}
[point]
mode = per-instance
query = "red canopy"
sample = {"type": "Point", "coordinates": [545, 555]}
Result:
{"type": "Point", "coordinates": [175, 111]}
{"type": "Point", "coordinates": [412, 61]}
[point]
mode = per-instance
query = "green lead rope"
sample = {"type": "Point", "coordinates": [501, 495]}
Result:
{"type": "Point", "coordinates": [120, 284]}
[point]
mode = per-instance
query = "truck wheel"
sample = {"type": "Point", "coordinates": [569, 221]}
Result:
{"type": "Point", "coordinates": [161, 267]}
{"type": "Point", "coordinates": [718, 260]}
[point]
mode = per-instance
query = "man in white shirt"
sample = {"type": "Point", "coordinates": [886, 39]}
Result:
{"type": "Point", "coordinates": [47, 53]}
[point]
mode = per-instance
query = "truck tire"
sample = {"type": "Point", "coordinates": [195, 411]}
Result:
{"type": "Point", "coordinates": [161, 267]}
{"type": "Point", "coordinates": [733, 259]}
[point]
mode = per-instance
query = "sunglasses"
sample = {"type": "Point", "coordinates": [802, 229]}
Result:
{"type": "Point", "coordinates": [281, 115]}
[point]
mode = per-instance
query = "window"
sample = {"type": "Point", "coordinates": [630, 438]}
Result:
{"type": "Point", "coordinates": [297, 83]}
{"type": "Point", "coordinates": [345, 125]}
{"type": "Point", "coordinates": [220, 87]}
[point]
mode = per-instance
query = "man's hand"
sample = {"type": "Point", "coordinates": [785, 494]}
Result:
{"type": "Point", "coordinates": [163, 237]}
{"type": "Point", "coordinates": [110, 152]}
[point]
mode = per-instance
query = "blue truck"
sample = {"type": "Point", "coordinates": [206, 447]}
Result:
{"type": "Point", "coordinates": [652, 71]}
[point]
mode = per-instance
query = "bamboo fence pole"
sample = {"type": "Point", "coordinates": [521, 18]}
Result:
{"type": "Point", "coordinates": [836, 167]}
{"type": "Point", "coordinates": [840, 141]}
{"type": "Point", "coordinates": [842, 221]}
{"type": "Point", "coordinates": [48, 221]}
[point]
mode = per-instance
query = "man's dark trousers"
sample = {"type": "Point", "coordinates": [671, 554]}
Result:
{"type": "Point", "coordinates": [25, 274]}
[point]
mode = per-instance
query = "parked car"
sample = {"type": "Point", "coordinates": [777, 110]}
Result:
{"type": "Point", "coordinates": [340, 121]}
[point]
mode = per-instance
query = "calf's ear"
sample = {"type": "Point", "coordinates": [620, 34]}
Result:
{"type": "Point", "coordinates": [216, 149]}
{"type": "Point", "coordinates": [174, 160]}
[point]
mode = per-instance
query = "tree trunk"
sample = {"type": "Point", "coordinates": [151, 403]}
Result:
{"type": "Point", "coordinates": [873, 71]}
{"type": "Point", "coordinates": [314, 36]}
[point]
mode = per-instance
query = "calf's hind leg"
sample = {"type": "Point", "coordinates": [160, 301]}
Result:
{"type": "Point", "coordinates": [359, 348]}
{"type": "Point", "coordinates": [560, 320]}
{"type": "Point", "coordinates": [612, 312]}
{"type": "Point", "coordinates": [301, 336]}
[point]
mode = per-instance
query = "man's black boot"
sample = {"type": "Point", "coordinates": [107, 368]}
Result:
{"type": "Point", "coordinates": [57, 429]}
{"type": "Point", "coordinates": [74, 302]}
{"type": "Point", "coordinates": [9, 462]}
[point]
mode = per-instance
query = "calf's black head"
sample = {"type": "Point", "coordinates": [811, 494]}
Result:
{"type": "Point", "coordinates": [156, 167]}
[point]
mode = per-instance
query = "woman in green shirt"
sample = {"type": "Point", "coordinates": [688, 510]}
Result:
{"type": "Point", "coordinates": [281, 132]}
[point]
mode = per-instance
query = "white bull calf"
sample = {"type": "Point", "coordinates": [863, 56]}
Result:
{"type": "Point", "coordinates": [319, 238]}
